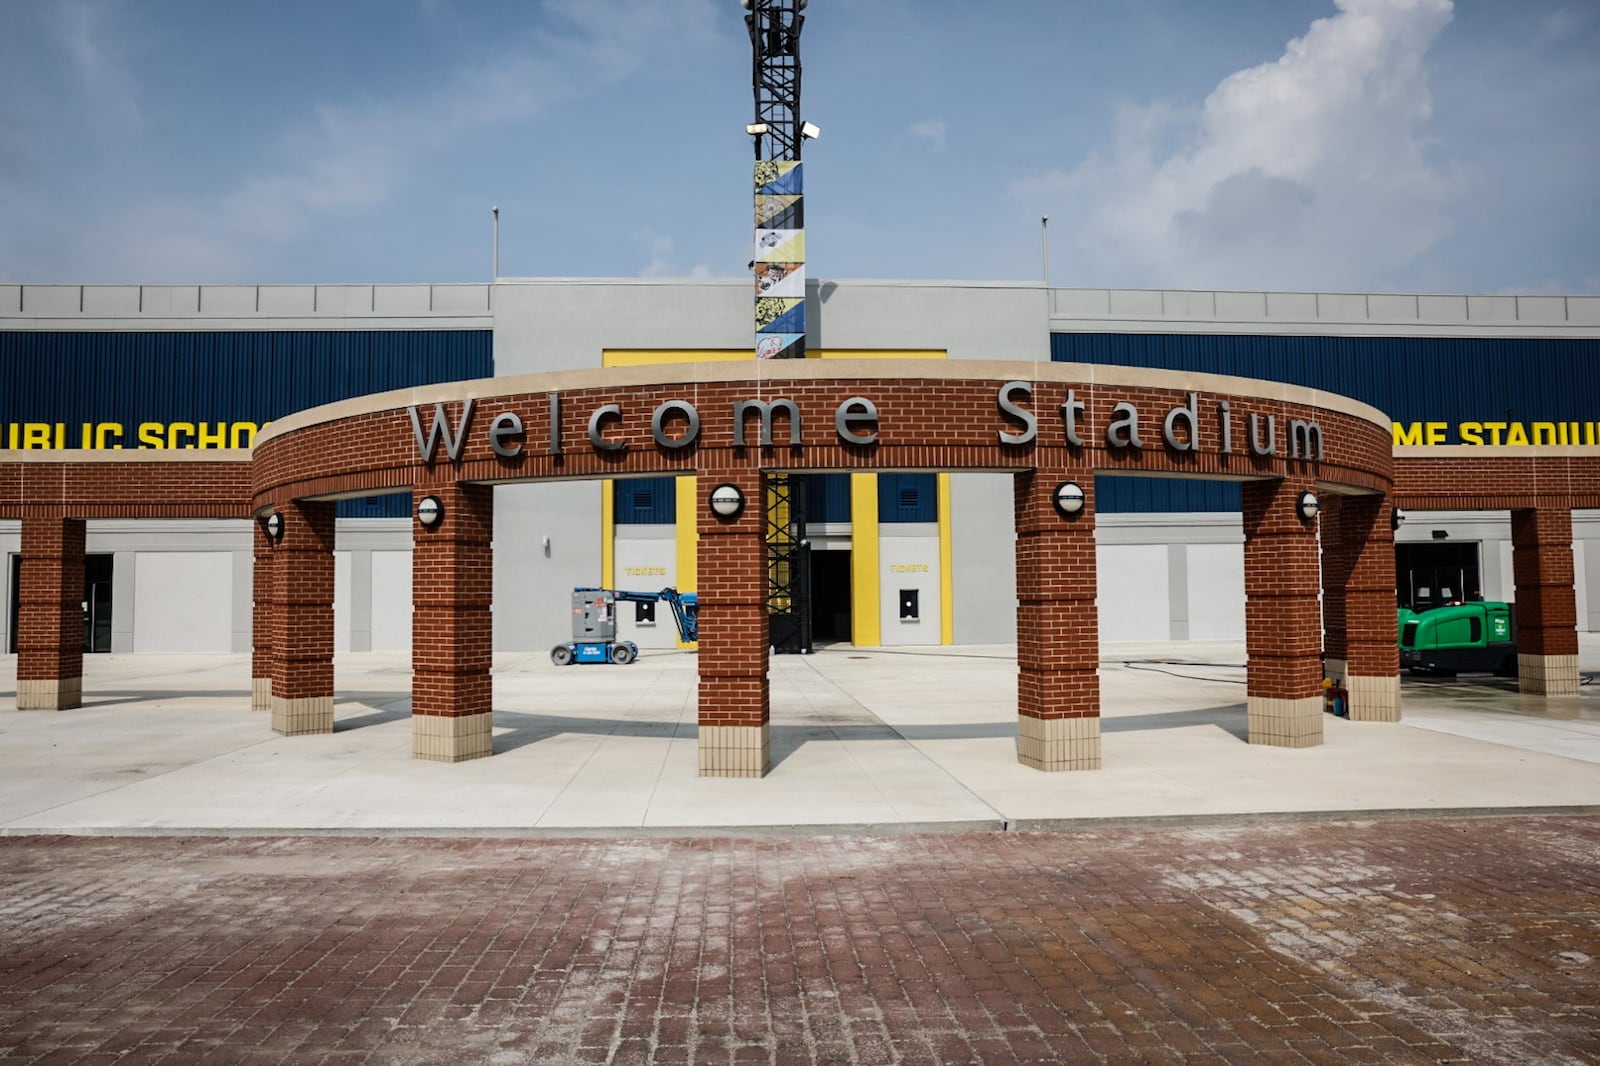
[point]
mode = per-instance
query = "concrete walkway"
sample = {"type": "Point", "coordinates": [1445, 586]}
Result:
{"type": "Point", "coordinates": [914, 739]}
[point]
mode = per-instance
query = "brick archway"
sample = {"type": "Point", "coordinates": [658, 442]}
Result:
{"type": "Point", "coordinates": [734, 424]}
{"type": "Point", "coordinates": [1043, 423]}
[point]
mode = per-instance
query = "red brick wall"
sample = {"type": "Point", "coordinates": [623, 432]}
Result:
{"type": "Point", "coordinates": [1497, 483]}
{"type": "Point", "coordinates": [302, 601]}
{"type": "Point", "coordinates": [732, 560]}
{"type": "Point", "coordinates": [50, 599]}
{"type": "Point", "coordinates": [1541, 560]}
{"type": "Point", "coordinates": [452, 566]}
{"type": "Point", "coordinates": [1366, 541]}
{"type": "Point", "coordinates": [1058, 639]}
{"type": "Point", "coordinates": [1283, 627]}
{"type": "Point", "coordinates": [124, 489]}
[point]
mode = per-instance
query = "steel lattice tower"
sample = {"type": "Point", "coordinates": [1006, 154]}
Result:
{"type": "Point", "coordinates": [780, 289]}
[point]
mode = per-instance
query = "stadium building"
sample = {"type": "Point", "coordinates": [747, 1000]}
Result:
{"type": "Point", "coordinates": [228, 469]}
{"type": "Point", "coordinates": [916, 558]}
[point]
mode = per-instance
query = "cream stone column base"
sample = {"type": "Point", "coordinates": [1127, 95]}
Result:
{"type": "Point", "coordinates": [57, 694]}
{"type": "Point", "coordinates": [1285, 723]}
{"type": "Point", "coordinates": [1537, 675]}
{"type": "Point", "coordinates": [440, 739]}
{"type": "Point", "coordinates": [1374, 699]}
{"type": "Point", "coordinates": [312, 714]}
{"type": "Point", "coordinates": [261, 693]}
{"type": "Point", "coordinates": [735, 750]}
{"type": "Point", "coordinates": [1058, 743]}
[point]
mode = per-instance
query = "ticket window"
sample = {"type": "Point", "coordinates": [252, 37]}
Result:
{"type": "Point", "coordinates": [644, 612]}
{"type": "Point", "coordinates": [910, 605]}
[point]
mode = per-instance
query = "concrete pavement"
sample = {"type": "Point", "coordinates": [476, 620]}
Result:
{"type": "Point", "coordinates": [910, 739]}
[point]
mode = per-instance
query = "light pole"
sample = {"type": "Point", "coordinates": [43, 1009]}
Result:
{"type": "Point", "coordinates": [1044, 236]}
{"type": "Point", "coordinates": [495, 211]}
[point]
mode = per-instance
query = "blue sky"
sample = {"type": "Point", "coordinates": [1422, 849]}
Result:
{"type": "Point", "coordinates": [1384, 145]}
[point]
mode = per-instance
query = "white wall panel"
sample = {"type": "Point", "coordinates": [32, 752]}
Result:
{"type": "Point", "coordinates": [391, 601]}
{"type": "Point", "coordinates": [183, 602]}
{"type": "Point", "coordinates": [1216, 591]}
{"type": "Point", "coordinates": [909, 559]}
{"type": "Point", "coordinates": [1133, 596]}
{"type": "Point", "coordinates": [341, 601]}
{"type": "Point", "coordinates": [647, 563]}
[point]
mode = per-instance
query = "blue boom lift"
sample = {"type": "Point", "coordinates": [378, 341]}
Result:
{"type": "Point", "coordinates": [594, 624]}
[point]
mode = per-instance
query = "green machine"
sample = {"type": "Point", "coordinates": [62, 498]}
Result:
{"type": "Point", "coordinates": [1466, 637]}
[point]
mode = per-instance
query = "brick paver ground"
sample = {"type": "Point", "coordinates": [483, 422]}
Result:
{"type": "Point", "coordinates": [1392, 941]}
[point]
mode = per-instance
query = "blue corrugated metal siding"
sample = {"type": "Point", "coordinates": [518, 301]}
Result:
{"type": "Point", "coordinates": [1411, 379]}
{"type": "Point", "coordinates": [240, 376]}
{"type": "Point", "coordinates": [645, 501]}
{"type": "Point", "coordinates": [827, 498]}
{"type": "Point", "coordinates": [908, 497]}
{"type": "Point", "coordinates": [1159, 495]}
{"type": "Point", "coordinates": [220, 377]}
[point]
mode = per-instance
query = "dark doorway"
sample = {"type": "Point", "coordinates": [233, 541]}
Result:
{"type": "Point", "coordinates": [97, 603]}
{"type": "Point", "coordinates": [1432, 575]}
{"type": "Point", "coordinates": [16, 577]}
{"type": "Point", "coordinates": [830, 596]}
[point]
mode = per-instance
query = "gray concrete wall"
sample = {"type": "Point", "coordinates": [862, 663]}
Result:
{"type": "Point", "coordinates": [208, 307]}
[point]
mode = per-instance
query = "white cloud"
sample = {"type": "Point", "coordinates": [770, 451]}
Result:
{"type": "Point", "coordinates": [1309, 171]}
{"type": "Point", "coordinates": [350, 157]}
{"type": "Point", "coordinates": [931, 132]}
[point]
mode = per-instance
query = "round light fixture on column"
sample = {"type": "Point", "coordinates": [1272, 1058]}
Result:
{"type": "Point", "coordinates": [1069, 498]}
{"type": "Point", "coordinates": [275, 525]}
{"type": "Point", "coordinates": [727, 501]}
{"type": "Point", "coordinates": [1308, 506]}
{"type": "Point", "coordinates": [430, 509]}
{"type": "Point", "coordinates": [1397, 518]}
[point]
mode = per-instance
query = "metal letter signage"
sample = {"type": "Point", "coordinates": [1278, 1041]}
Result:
{"type": "Point", "coordinates": [856, 421]}
{"type": "Point", "coordinates": [453, 440]}
{"type": "Point", "coordinates": [1190, 415]}
{"type": "Point", "coordinates": [504, 426]}
{"type": "Point", "coordinates": [609, 410]}
{"type": "Point", "coordinates": [658, 420]}
{"type": "Point", "coordinates": [1123, 429]}
{"type": "Point", "coordinates": [766, 411]}
{"type": "Point", "coordinates": [1030, 422]}
{"type": "Point", "coordinates": [856, 409]}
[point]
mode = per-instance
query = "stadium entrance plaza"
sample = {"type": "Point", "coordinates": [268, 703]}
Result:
{"type": "Point", "coordinates": [177, 883]}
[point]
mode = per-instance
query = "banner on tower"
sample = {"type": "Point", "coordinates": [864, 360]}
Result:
{"type": "Point", "coordinates": [779, 262]}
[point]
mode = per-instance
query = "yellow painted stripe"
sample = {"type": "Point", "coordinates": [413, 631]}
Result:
{"type": "Point", "coordinates": [688, 541]}
{"type": "Point", "coordinates": [661, 356]}
{"type": "Point", "coordinates": [947, 598]}
{"type": "Point", "coordinates": [866, 627]}
{"type": "Point", "coordinates": [608, 537]}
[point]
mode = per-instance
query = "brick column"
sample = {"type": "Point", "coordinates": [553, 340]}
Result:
{"type": "Point", "coordinates": [734, 701]}
{"type": "Point", "coordinates": [50, 615]}
{"type": "Point", "coordinates": [1058, 638]}
{"type": "Point", "coordinates": [452, 627]}
{"type": "Point", "coordinates": [1547, 603]}
{"type": "Point", "coordinates": [1371, 670]}
{"type": "Point", "coordinates": [1283, 627]}
{"type": "Point", "coordinates": [302, 619]}
{"type": "Point", "coordinates": [261, 583]}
